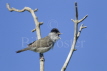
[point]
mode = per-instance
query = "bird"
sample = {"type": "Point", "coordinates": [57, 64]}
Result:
{"type": "Point", "coordinates": [44, 44]}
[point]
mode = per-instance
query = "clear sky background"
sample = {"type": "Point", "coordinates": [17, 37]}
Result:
{"type": "Point", "coordinates": [15, 34]}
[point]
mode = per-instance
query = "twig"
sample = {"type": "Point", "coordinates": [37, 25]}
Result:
{"type": "Point", "coordinates": [76, 36]}
{"type": "Point", "coordinates": [37, 28]}
{"type": "Point", "coordinates": [24, 9]}
{"type": "Point", "coordinates": [83, 18]}
{"type": "Point", "coordinates": [81, 27]}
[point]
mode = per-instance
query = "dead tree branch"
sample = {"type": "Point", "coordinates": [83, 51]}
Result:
{"type": "Point", "coordinates": [37, 28]}
{"type": "Point", "coordinates": [76, 36]}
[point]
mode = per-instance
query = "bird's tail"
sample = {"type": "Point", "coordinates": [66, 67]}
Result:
{"type": "Point", "coordinates": [25, 49]}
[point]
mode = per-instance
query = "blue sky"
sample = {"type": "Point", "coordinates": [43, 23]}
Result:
{"type": "Point", "coordinates": [15, 29]}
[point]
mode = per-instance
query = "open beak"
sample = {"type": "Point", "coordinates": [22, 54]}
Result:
{"type": "Point", "coordinates": [59, 33]}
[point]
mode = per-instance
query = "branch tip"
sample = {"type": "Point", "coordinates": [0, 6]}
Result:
{"type": "Point", "coordinates": [7, 4]}
{"type": "Point", "coordinates": [76, 10]}
{"type": "Point", "coordinates": [72, 20]}
{"type": "Point", "coordinates": [83, 19]}
{"type": "Point", "coordinates": [35, 10]}
{"type": "Point", "coordinates": [40, 23]}
{"type": "Point", "coordinates": [75, 3]}
{"type": "Point", "coordinates": [75, 49]}
{"type": "Point", "coordinates": [84, 27]}
{"type": "Point", "coordinates": [33, 30]}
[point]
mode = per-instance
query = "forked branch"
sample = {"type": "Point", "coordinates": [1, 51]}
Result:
{"type": "Point", "coordinates": [37, 28]}
{"type": "Point", "coordinates": [76, 36]}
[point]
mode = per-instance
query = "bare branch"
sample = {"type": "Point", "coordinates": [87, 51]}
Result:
{"type": "Point", "coordinates": [33, 30]}
{"type": "Point", "coordinates": [37, 28]}
{"type": "Point", "coordinates": [81, 27]}
{"type": "Point", "coordinates": [24, 9]}
{"type": "Point", "coordinates": [75, 49]}
{"type": "Point", "coordinates": [76, 35]}
{"type": "Point", "coordinates": [83, 19]}
{"type": "Point", "coordinates": [35, 10]}
{"type": "Point", "coordinates": [76, 10]}
{"type": "Point", "coordinates": [40, 23]}
{"type": "Point", "coordinates": [73, 20]}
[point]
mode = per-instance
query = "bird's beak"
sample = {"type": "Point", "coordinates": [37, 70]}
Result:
{"type": "Point", "coordinates": [59, 33]}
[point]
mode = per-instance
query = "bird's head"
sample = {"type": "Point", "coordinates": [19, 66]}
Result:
{"type": "Point", "coordinates": [54, 34]}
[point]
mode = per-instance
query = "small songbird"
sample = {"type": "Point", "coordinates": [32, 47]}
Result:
{"type": "Point", "coordinates": [44, 44]}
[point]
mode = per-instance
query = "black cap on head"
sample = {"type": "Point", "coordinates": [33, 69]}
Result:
{"type": "Point", "coordinates": [55, 30]}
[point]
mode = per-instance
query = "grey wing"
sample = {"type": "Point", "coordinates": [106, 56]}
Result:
{"type": "Point", "coordinates": [46, 41]}
{"type": "Point", "coordinates": [31, 43]}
